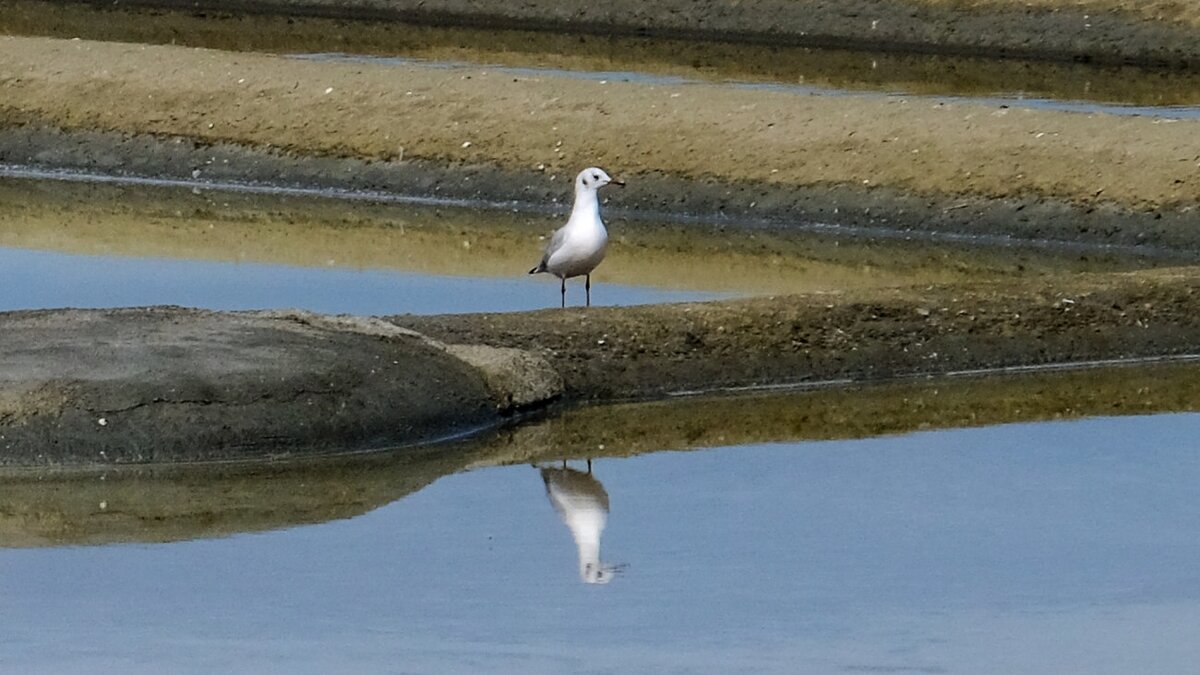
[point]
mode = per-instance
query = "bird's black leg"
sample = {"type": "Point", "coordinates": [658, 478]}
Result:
{"type": "Point", "coordinates": [589, 465]}
{"type": "Point", "coordinates": [564, 292]}
{"type": "Point", "coordinates": [587, 288]}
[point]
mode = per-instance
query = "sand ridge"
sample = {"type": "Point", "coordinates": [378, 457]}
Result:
{"type": "Point", "coordinates": [696, 132]}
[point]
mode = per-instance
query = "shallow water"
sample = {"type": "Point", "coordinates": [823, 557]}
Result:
{"type": "Point", "coordinates": [1064, 546]}
{"type": "Point", "coordinates": [51, 279]}
{"type": "Point", "coordinates": [1066, 101]}
{"type": "Point", "coordinates": [76, 244]}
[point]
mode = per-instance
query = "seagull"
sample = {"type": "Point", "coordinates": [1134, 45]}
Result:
{"type": "Point", "coordinates": [582, 503]}
{"type": "Point", "coordinates": [578, 247]}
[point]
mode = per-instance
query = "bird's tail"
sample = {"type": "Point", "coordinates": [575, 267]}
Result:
{"type": "Point", "coordinates": [541, 267]}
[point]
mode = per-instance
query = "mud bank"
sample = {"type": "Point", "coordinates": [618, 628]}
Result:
{"type": "Point", "coordinates": [1108, 31]}
{"type": "Point", "coordinates": [644, 352]}
{"type": "Point", "coordinates": [176, 385]}
{"type": "Point", "coordinates": [169, 385]}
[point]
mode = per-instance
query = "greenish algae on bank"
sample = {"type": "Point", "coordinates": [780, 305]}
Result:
{"type": "Point", "coordinates": [850, 411]}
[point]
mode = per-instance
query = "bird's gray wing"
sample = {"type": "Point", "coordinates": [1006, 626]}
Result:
{"type": "Point", "coordinates": [556, 243]}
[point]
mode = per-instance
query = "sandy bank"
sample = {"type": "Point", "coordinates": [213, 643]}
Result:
{"type": "Point", "coordinates": [695, 149]}
{"type": "Point", "coordinates": [641, 352]}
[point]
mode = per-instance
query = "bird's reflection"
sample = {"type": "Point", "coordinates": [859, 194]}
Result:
{"type": "Point", "coordinates": [582, 503]}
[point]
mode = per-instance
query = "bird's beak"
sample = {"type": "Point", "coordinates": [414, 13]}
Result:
{"type": "Point", "coordinates": [618, 183]}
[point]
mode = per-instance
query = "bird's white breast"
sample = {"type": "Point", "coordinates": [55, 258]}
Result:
{"type": "Point", "coordinates": [583, 247]}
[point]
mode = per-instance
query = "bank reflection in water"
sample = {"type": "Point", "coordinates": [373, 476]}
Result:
{"type": "Point", "coordinates": [158, 504]}
{"type": "Point", "coordinates": [582, 503]}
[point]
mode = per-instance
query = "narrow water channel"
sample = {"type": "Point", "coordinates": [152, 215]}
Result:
{"type": "Point", "coordinates": [75, 244]}
{"type": "Point", "coordinates": [1011, 96]}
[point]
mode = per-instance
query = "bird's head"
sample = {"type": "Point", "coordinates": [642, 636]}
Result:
{"type": "Point", "coordinates": [594, 179]}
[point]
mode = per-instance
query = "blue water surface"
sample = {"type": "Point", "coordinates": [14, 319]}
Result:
{"type": "Point", "coordinates": [32, 279]}
{"type": "Point", "coordinates": [1050, 547]}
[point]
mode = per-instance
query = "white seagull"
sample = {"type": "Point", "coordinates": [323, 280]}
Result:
{"type": "Point", "coordinates": [578, 247]}
{"type": "Point", "coordinates": [582, 503]}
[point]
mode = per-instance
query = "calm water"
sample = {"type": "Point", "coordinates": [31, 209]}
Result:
{"type": "Point", "coordinates": [53, 279]}
{"type": "Point", "coordinates": [1073, 101]}
{"type": "Point", "coordinates": [79, 244]}
{"type": "Point", "coordinates": [1052, 547]}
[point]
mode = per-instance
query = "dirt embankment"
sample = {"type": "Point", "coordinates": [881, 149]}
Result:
{"type": "Point", "coordinates": [641, 352]}
{"type": "Point", "coordinates": [705, 60]}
